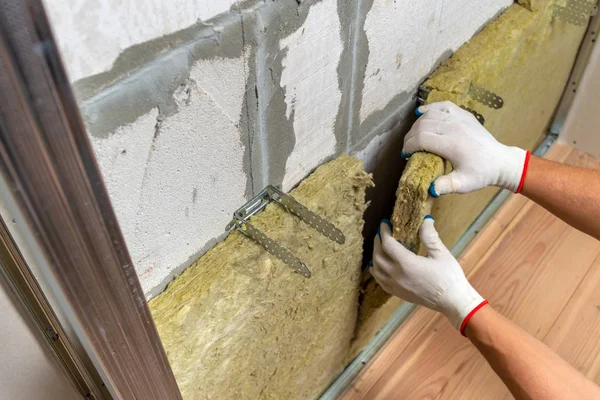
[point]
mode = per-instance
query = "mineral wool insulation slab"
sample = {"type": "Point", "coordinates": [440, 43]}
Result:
{"type": "Point", "coordinates": [525, 57]}
{"type": "Point", "coordinates": [239, 324]}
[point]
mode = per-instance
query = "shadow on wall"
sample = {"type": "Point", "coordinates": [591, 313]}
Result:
{"type": "Point", "coordinates": [386, 171]}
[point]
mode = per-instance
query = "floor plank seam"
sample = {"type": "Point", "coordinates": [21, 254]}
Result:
{"type": "Point", "coordinates": [579, 285]}
{"type": "Point", "coordinates": [510, 225]}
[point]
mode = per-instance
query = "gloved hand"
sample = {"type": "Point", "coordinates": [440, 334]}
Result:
{"type": "Point", "coordinates": [436, 281]}
{"type": "Point", "coordinates": [478, 159]}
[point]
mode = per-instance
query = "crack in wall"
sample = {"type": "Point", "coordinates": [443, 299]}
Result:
{"type": "Point", "coordinates": [249, 131]}
{"type": "Point", "coordinates": [152, 148]}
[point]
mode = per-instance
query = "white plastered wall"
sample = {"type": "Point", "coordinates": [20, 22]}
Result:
{"type": "Point", "coordinates": [174, 187]}
{"type": "Point", "coordinates": [312, 91]}
{"type": "Point", "coordinates": [92, 33]}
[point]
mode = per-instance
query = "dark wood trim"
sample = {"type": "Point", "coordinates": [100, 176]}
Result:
{"type": "Point", "coordinates": [46, 157]}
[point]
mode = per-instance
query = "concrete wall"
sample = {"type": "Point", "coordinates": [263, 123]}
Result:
{"type": "Point", "coordinates": [92, 33]}
{"type": "Point", "coordinates": [189, 125]}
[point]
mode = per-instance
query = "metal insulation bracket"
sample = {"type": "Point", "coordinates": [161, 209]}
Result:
{"type": "Point", "coordinates": [575, 12]}
{"type": "Point", "coordinates": [584, 6]}
{"type": "Point", "coordinates": [479, 117]}
{"type": "Point", "coordinates": [485, 97]}
{"type": "Point", "coordinates": [259, 202]}
{"type": "Point", "coordinates": [423, 93]}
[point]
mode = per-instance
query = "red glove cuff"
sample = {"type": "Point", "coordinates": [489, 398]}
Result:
{"type": "Point", "coordinates": [525, 165]}
{"type": "Point", "coordinates": [483, 303]}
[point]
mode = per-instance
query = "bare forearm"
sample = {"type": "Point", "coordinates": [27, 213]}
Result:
{"type": "Point", "coordinates": [570, 193]}
{"type": "Point", "coordinates": [526, 366]}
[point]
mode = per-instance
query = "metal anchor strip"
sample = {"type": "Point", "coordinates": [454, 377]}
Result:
{"type": "Point", "coordinates": [289, 204]}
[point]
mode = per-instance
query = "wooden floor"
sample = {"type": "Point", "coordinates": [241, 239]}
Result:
{"type": "Point", "coordinates": [534, 269]}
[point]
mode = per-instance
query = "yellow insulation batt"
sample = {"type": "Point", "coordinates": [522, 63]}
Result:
{"type": "Point", "coordinates": [240, 324]}
{"type": "Point", "coordinates": [525, 57]}
{"type": "Point", "coordinates": [533, 5]}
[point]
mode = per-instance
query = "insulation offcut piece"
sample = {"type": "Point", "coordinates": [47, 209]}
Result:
{"type": "Point", "coordinates": [240, 324]}
{"type": "Point", "coordinates": [413, 201]}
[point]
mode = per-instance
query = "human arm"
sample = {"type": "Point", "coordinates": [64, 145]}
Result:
{"type": "Point", "coordinates": [570, 193]}
{"type": "Point", "coordinates": [479, 160]}
{"type": "Point", "coordinates": [528, 368]}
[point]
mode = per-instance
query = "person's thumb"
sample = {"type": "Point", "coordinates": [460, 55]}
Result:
{"type": "Point", "coordinates": [392, 247]}
{"type": "Point", "coordinates": [430, 237]}
{"type": "Point", "coordinates": [451, 183]}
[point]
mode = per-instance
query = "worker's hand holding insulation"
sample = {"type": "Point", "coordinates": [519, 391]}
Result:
{"type": "Point", "coordinates": [436, 281]}
{"type": "Point", "coordinates": [529, 369]}
{"type": "Point", "coordinates": [478, 159]}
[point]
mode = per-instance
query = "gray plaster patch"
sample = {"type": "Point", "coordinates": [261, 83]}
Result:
{"type": "Point", "coordinates": [154, 84]}
{"type": "Point", "coordinates": [273, 131]}
{"type": "Point", "coordinates": [141, 54]}
{"type": "Point", "coordinates": [352, 67]}
{"type": "Point", "coordinates": [162, 82]}
{"type": "Point", "coordinates": [248, 115]}
{"type": "Point", "coordinates": [133, 58]}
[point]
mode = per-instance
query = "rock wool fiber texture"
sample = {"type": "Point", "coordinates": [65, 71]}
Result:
{"type": "Point", "coordinates": [413, 201]}
{"type": "Point", "coordinates": [240, 324]}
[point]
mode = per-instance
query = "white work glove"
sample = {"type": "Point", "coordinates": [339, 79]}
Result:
{"type": "Point", "coordinates": [436, 281]}
{"type": "Point", "coordinates": [477, 158]}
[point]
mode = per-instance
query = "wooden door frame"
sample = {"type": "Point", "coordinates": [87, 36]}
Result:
{"type": "Point", "coordinates": [47, 161]}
